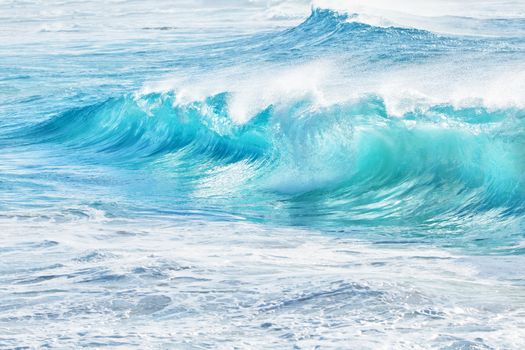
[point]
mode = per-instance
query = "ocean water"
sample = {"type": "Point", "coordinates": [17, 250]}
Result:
{"type": "Point", "coordinates": [262, 174]}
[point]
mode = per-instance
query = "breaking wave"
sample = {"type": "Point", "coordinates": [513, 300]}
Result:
{"type": "Point", "coordinates": [323, 149]}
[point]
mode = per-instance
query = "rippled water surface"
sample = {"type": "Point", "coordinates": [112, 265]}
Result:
{"type": "Point", "coordinates": [262, 174]}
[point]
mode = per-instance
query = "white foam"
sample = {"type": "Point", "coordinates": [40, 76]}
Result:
{"type": "Point", "coordinates": [252, 92]}
{"type": "Point", "coordinates": [467, 82]}
{"type": "Point", "coordinates": [489, 85]}
{"type": "Point", "coordinates": [244, 285]}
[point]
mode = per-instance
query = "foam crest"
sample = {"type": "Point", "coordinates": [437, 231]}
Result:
{"type": "Point", "coordinates": [249, 94]}
{"type": "Point", "coordinates": [403, 89]}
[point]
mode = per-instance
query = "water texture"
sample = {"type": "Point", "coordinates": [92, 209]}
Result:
{"type": "Point", "coordinates": [263, 174]}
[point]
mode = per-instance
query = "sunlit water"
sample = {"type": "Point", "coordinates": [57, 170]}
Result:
{"type": "Point", "coordinates": [263, 174]}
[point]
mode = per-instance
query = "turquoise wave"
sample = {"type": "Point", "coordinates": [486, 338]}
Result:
{"type": "Point", "coordinates": [353, 161]}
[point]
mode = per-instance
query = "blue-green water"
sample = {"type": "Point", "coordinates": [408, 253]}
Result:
{"type": "Point", "coordinates": [213, 175]}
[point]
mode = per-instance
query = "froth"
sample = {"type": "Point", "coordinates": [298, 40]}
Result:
{"type": "Point", "coordinates": [322, 83]}
{"type": "Point", "coordinates": [250, 93]}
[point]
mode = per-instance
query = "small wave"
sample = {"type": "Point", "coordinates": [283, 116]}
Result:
{"type": "Point", "coordinates": [126, 128]}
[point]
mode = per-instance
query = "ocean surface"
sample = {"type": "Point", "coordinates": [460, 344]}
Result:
{"type": "Point", "coordinates": [262, 174]}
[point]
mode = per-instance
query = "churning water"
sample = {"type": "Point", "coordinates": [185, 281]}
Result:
{"type": "Point", "coordinates": [262, 174]}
